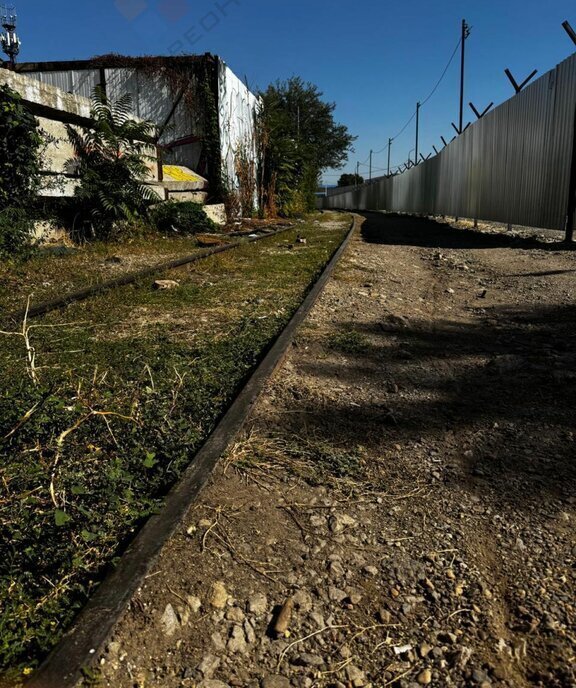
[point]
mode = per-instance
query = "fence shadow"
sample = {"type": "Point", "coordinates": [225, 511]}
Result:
{"type": "Point", "coordinates": [409, 230]}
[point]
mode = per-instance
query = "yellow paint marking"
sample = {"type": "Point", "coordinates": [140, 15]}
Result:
{"type": "Point", "coordinates": [180, 174]}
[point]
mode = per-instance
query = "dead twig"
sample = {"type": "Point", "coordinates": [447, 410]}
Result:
{"type": "Point", "coordinates": [458, 611]}
{"type": "Point", "coordinates": [30, 350]}
{"type": "Point", "coordinates": [26, 417]}
{"type": "Point", "coordinates": [31, 367]}
{"type": "Point", "coordinates": [339, 667]}
{"type": "Point", "coordinates": [291, 513]}
{"type": "Point", "coordinates": [62, 438]}
{"type": "Point", "coordinates": [397, 678]}
{"type": "Point", "coordinates": [303, 640]}
{"type": "Point", "coordinates": [239, 557]}
{"type": "Point", "coordinates": [209, 530]}
{"type": "Point", "coordinates": [179, 597]}
{"type": "Point", "coordinates": [364, 629]}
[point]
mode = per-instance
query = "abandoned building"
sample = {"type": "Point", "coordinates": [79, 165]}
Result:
{"type": "Point", "coordinates": [204, 114]}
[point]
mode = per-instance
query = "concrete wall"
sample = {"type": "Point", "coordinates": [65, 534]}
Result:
{"type": "Point", "coordinates": [183, 120]}
{"type": "Point", "coordinates": [34, 91]}
{"type": "Point", "coordinates": [152, 99]}
{"type": "Point", "coordinates": [54, 109]}
{"type": "Point", "coordinates": [39, 98]}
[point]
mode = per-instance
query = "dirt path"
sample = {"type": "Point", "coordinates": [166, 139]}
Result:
{"type": "Point", "coordinates": [407, 482]}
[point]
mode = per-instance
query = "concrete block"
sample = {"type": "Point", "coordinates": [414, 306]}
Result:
{"type": "Point", "coordinates": [217, 213]}
{"type": "Point", "coordinates": [194, 196]}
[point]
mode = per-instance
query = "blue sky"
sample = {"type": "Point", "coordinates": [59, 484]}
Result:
{"type": "Point", "coordinates": [374, 58]}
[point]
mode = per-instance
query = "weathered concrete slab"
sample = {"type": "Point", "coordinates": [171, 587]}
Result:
{"type": "Point", "coordinates": [217, 213]}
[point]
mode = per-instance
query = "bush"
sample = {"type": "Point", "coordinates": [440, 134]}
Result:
{"type": "Point", "coordinates": [20, 144]}
{"type": "Point", "coordinates": [181, 218]}
{"type": "Point", "coordinates": [294, 204]}
{"type": "Point", "coordinates": [16, 232]}
{"type": "Point", "coordinates": [111, 165]}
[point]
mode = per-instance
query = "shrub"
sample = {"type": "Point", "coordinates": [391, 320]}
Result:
{"type": "Point", "coordinates": [20, 143]}
{"type": "Point", "coordinates": [16, 232]}
{"type": "Point", "coordinates": [181, 218]}
{"type": "Point", "coordinates": [110, 162]}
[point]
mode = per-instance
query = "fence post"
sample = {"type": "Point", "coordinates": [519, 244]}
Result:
{"type": "Point", "coordinates": [571, 217]}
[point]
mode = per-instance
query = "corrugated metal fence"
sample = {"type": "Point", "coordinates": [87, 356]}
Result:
{"type": "Point", "coordinates": [511, 166]}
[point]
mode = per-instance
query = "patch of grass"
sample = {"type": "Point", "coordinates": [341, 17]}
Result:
{"type": "Point", "coordinates": [315, 461]}
{"type": "Point", "coordinates": [56, 271]}
{"type": "Point", "coordinates": [125, 388]}
{"type": "Point", "coordinates": [348, 342]}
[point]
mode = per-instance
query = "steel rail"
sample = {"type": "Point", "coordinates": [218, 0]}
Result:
{"type": "Point", "coordinates": [130, 278]}
{"type": "Point", "coordinates": [82, 644]}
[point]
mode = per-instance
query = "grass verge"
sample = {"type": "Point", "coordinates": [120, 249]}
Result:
{"type": "Point", "coordinates": [102, 407]}
{"type": "Point", "coordinates": [56, 270]}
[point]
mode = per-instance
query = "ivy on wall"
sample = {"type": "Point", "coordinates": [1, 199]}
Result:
{"type": "Point", "coordinates": [193, 80]}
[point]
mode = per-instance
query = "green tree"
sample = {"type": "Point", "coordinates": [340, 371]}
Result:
{"type": "Point", "coordinates": [301, 139]}
{"type": "Point", "coordinates": [350, 180]}
{"type": "Point", "coordinates": [111, 164]}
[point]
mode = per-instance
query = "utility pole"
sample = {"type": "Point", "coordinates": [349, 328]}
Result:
{"type": "Point", "coordinates": [370, 173]}
{"type": "Point", "coordinates": [465, 34]}
{"type": "Point", "coordinates": [417, 129]}
{"type": "Point", "coordinates": [389, 149]}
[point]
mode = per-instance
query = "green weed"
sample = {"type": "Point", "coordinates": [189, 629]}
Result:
{"type": "Point", "coordinates": [129, 384]}
{"type": "Point", "coordinates": [349, 342]}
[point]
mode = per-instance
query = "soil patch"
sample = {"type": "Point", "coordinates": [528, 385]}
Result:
{"type": "Point", "coordinates": [403, 497]}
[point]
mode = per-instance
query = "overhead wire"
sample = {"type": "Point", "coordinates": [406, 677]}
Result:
{"type": "Point", "coordinates": [432, 92]}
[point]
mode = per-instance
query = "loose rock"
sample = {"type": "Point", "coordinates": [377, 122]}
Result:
{"type": "Point", "coordinates": [425, 677]}
{"type": "Point", "coordinates": [258, 604]}
{"type": "Point", "coordinates": [275, 682]}
{"type": "Point", "coordinates": [165, 285]}
{"type": "Point", "coordinates": [220, 595]}
{"type": "Point", "coordinates": [283, 621]}
{"type": "Point", "coordinates": [169, 621]}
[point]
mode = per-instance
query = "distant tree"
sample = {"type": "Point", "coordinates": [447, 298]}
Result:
{"type": "Point", "coordinates": [298, 140]}
{"type": "Point", "coordinates": [350, 180]}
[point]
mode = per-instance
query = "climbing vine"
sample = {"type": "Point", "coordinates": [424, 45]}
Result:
{"type": "Point", "coordinates": [192, 79]}
{"type": "Point", "coordinates": [20, 160]}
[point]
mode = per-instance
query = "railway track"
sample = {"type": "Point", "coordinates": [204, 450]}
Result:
{"type": "Point", "coordinates": [82, 294]}
{"type": "Point", "coordinates": [81, 645]}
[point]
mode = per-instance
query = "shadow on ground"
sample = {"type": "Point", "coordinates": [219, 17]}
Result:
{"type": "Point", "coordinates": [505, 393]}
{"type": "Point", "coordinates": [407, 230]}
{"type": "Point", "coordinates": [494, 400]}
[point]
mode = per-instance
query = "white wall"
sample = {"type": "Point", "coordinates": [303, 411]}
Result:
{"type": "Point", "coordinates": [238, 107]}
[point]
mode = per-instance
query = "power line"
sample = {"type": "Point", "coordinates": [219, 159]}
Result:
{"type": "Point", "coordinates": [432, 92]}
{"type": "Point", "coordinates": [443, 74]}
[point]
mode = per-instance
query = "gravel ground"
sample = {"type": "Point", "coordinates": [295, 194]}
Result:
{"type": "Point", "coordinates": [400, 510]}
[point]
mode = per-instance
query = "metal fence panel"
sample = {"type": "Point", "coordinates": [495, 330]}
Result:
{"type": "Point", "coordinates": [79, 82]}
{"type": "Point", "coordinates": [511, 166]}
